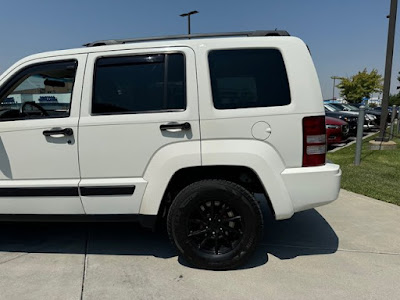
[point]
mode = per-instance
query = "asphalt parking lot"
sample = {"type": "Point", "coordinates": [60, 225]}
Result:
{"type": "Point", "coordinates": [348, 249]}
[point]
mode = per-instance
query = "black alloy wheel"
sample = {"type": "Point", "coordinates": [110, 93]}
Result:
{"type": "Point", "coordinates": [214, 227]}
{"type": "Point", "coordinates": [215, 224]}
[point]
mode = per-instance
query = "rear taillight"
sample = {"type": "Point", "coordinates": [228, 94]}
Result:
{"type": "Point", "coordinates": [314, 141]}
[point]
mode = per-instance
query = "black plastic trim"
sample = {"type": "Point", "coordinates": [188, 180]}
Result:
{"type": "Point", "coordinates": [107, 190]}
{"type": "Point", "coordinates": [147, 221]}
{"type": "Point", "coordinates": [67, 191]}
{"type": "Point", "coordinates": [173, 125]}
{"type": "Point", "coordinates": [54, 131]}
{"type": "Point", "coordinates": [39, 192]}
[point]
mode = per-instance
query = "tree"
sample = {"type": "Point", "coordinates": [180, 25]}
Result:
{"type": "Point", "coordinates": [360, 86]}
{"type": "Point", "coordinates": [398, 79]}
{"type": "Point", "coordinates": [395, 99]}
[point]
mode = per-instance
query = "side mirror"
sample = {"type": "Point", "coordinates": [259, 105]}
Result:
{"type": "Point", "coordinates": [54, 83]}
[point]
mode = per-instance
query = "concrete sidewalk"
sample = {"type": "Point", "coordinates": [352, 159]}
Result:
{"type": "Point", "coordinates": [347, 249]}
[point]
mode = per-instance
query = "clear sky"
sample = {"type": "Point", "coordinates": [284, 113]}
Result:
{"type": "Point", "coordinates": [345, 36]}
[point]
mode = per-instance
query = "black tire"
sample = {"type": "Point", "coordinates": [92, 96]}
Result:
{"type": "Point", "coordinates": [215, 224]}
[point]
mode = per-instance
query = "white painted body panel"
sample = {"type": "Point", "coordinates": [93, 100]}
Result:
{"type": "Point", "coordinates": [29, 159]}
{"type": "Point", "coordinates": [313, 186]}
{"type": "Point", "coordinates": [131, 149]}
{"type": "Point", "coordinates": [285, 121]}
{"type": "Point", "coordinates": [40, 205]}
{"type": "Point", "coordinates": [228, 135]}
{"type": "Point", "coordinates": [122, 146]}
{"type": "Point", "coordinates": [162, 167]}
{"type": "Point", "coordinates": [121, 204]}
{"type": "Point", "coordinates": [261, 158]}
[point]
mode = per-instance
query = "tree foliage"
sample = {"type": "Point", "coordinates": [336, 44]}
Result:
{"type": "Point", "coordinates": [395, 99]}
{"type": "Point", "coordinates": [361, 85]}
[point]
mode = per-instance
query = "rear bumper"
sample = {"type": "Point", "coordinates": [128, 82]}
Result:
{"type": "Point", "coordinates": [312, 186]}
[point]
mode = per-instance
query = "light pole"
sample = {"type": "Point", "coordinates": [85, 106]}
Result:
{"type": "Point", "coordinates": [188, 15]}
{"type": "Point", "coordinates": [334, 79]}
{"type": "Point", "coordinates": [388, 68]}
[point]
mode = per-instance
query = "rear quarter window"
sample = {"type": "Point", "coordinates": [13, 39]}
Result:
{"type": "Point", "coordinates": [245, 78]}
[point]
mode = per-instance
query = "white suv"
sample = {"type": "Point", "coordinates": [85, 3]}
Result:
{"type": "Point", "coordinates": [182, 127]}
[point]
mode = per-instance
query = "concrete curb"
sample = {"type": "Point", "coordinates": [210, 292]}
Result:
{"type": "Point", "coordinates": [352, 142]}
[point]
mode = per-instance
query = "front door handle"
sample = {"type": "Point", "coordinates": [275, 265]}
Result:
{"type": "Point", "coordinates": [57, 131]}
{"type": "Point", "coordinates": [181, 126]}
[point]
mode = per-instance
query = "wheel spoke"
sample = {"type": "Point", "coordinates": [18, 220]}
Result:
{"type": "Point", "coordinates": [227, 242]}
{"type": "Point", "coordinates": [197, 232]}
{"type": "Point", "coordinates": [216, 245]}
{"type": "Point", "coordinates": [212, 207]}
{"type": "Point", "coordinates": [197, 221]}
{"type": "Point", "coordinates": [203, 242]}
{"type": "Point", "coordinates": [202, 212]}
{"type": "Point", "coordinates": [231, 219]}
{"type": "Point", "coordinates": [224, 208]}
{"type": "Point", "coordinates": [231, 230]}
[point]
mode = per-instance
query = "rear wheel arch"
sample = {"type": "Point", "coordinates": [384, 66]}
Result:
{"type": "Point", "coordinates": [218, 160]}
{"type": "Point", "coordinates": [240, 175]}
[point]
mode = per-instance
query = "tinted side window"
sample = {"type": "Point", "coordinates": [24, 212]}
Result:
{"type": "Point", "coordinates": [39, 91]}
{"type": "Point", "coordinates": [142, 83]}
{"type": "Point", "coordinates": [248, 78]}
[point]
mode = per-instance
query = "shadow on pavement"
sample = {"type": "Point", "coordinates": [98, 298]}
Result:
{"type": "Point", "coordinates": [306, 233]}
{"type": "Point", "coordinates": [80, 238]}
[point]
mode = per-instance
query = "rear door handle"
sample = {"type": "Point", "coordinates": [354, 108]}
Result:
{"type": "Point", "coordinates": [57, 131]}
{"type": "Point", "coordinates": [170, 126]}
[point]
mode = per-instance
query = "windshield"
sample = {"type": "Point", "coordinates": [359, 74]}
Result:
{"type": "Point", "coordinates": [350, 107]}
{"type": "Point", "coordinates": [331, 107]}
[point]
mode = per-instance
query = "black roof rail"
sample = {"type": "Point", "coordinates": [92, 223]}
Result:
{"type": "Point", "coordinates": [190, 36]}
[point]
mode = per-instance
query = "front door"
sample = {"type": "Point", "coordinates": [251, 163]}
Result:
{"type": "Point", "coordinates": [39, 112]}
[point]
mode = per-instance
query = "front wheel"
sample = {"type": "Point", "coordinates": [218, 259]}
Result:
{"type": "Point", "coordinates": [215, 224]}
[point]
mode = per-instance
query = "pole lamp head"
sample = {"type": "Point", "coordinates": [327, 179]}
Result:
{"type": "Point", "coordinates": [189, 13]}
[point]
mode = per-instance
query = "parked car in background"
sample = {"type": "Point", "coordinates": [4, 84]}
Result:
{"type": "Point", "coordinates": [351, 119]}
{"type": "Point", "coordinates": [369, 120]}
{"type": "Point", "coordinates": [352, 108]}
{"type": "Point", "coordinates": [337, 130]}
{"type": "Point", "coordinates": [356, 108]}
{"type": "Point", "coordinates": [389, 117]}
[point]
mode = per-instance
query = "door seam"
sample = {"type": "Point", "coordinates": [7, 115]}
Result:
{"type": "Point", "coordinates": [77, 133]}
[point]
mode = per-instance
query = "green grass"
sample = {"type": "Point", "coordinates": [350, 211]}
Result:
{"type": "Point", "coordinates": [378, 175]}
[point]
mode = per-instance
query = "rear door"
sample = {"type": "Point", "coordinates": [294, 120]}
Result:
{"type": "Point", "coordinates": [135, 102]}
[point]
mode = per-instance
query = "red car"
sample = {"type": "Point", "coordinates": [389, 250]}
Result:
{"type": "Point", "coordinates": [336, 130]}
